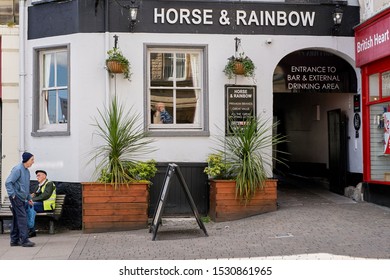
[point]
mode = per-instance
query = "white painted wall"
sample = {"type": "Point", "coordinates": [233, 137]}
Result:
{"type": "Point", "coordinates": [369, 8]}
{"type": "Point", "coordinates": [65, 157]}
{"type": "Point", "coordinates": [10, 100]}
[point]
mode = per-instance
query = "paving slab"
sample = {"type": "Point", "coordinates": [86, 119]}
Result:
{"type": "Point", "coordinates": [309, 224]}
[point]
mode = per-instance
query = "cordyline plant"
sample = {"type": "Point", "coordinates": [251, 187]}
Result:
{"type": "Point", "coordinates": [124, 141]}
{"type": "Point", "coordinates": [248, 152]}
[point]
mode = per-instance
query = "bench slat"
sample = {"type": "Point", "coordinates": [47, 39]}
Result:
{"type": "Point", "coordinates": [5, 212]}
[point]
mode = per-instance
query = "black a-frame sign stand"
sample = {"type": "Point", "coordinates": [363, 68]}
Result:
{"type": "Point", "coordinates": [171, 170]}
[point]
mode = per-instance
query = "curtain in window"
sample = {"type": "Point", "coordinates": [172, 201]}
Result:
{"type": "Point", "coordinates": [194, 58]}
{"type": "Point", "coordinates": [45, 92]}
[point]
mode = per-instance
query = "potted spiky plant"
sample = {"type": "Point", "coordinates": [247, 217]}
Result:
{"type": "Point", "coordinates": [119, 200]}
{"type": "Point", "coordinates": [244, 162]}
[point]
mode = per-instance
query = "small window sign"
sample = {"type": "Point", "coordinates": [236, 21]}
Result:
{"type": "Point", "coordinates": [356, 103]}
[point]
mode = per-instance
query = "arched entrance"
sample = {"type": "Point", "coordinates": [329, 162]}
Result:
{"type": "Point", "coordinates": [313, 100]}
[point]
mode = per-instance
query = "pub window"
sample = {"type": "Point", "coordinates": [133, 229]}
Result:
{"type": "Point", "coordinates": [175, 91]}
{"type": "Point", "coordinates": [52, 97]}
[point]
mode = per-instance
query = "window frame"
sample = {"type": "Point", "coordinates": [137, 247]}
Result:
{"type": "Point", "coordinates": [177, 129]}
{"type": "Point", "coordinates": [53, 130]}
{"type": "Point", "coordinates": [368, 102]}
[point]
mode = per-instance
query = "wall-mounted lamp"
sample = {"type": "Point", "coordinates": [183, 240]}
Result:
{"type": "Point", "coordinates": [133, 12]}
{"type": "Point", "coordinates": [337, 15]}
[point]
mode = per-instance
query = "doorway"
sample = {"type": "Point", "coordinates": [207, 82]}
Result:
{"type": "Point", "coordinates": [304, 120]}
{"type": "Point", "coordinates": [313, 95]}
{"type": "Point", "coordinates": [337, 145]}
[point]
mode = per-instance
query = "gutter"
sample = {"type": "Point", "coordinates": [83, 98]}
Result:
{"type": "Point", "coordinates": [106, 48]}
{"type": "Point", "coordinates": [22, 74]}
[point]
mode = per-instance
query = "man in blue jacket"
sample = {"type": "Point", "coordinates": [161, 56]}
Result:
{"type": "Point", "coordinates": [18, 189]}
{"type": "Point", "coordinates": [165, 117]}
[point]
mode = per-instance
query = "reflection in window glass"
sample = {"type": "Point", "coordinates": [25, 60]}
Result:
{"type": "Point", "coordinates": [168, 66]}
{"type": "Point", "coordinates": [62, 69]}
{"type": "Point", "coordinates": [380, 161]}
{"type": "Point", "coordinates": [386, 84]}
{"type": "Point", "coordinates": [51, 106]}
{"type": "Point", "coordinates": [62, 110]}
{"type": "Point", "coordinates": [175, 88]}
{"type": "Point", "coordinates": [180, 66]}
{"type": "Point", "coordinates": [374, 87]}
{"type": "Point", "coordinates": [186, 103]}
{"type": "Point", "coordinates": [161, 103]}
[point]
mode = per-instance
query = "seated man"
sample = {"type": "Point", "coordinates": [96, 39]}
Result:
{"type": "Point", "coordinates": [165, 117]}
{"type": "Point", "coordinates": [44, 196]}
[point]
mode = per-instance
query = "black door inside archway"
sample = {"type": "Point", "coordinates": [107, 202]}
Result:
{"type": "Point", "coordinates": [308, 84]}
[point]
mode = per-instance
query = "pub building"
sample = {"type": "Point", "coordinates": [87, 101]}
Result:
{"type": "Point", "coordinates": [305, 78]}
{"type": "Point", "coordinates": [372, 47]}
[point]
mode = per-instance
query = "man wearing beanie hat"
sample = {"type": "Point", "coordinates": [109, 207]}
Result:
{"type": "Point", "coordinates": [18, 189]}
{"type": "Point", "coordinates": [26, 156]}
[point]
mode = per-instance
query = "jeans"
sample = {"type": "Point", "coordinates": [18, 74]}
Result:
{"type": "Point", "coordinates": [38, 206]}
{"type": "Point", "coordinates": [31, 212]}
{"type": "Point", "coordinates": [19, 231]}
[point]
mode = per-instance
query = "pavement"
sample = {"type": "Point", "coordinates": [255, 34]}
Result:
{"type": "Point", "coordinates": [311, 223]}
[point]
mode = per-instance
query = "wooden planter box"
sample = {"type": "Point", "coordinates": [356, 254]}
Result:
{"type": "Point", "coordinates": [108, 209]}
{"type": "Point", "coordinates": [224, 206]}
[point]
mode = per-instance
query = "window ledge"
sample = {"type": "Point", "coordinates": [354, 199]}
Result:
{"type": "Point", "coordinates": [49, 133]}
{"type": "Point", "coordinates": [167, 133]}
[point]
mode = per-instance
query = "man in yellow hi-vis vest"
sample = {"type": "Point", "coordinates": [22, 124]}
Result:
{"type": "Point", "coordinates": [44, 196]}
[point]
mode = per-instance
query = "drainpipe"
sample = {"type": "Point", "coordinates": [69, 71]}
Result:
{"type": "Point", "coordinates": [106, 48]}
{"type": "Point", "coordinates": [22, 75]}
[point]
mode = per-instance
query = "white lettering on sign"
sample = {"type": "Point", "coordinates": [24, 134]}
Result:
{"type": "Point", "coordinates": [381, 38]}
{"type": "Point", "coordinates": [313, 78]}
{"type": "Point", "coordinates": [312, 69]}
{"type": "Point", "coordinates": [374, 40]}
{"type": "Point", "coordinates": [364, 44]}
{"type": "Point", "coordinates": [242, 17]}
{"type": "Point", "coordinates": [183, 16]}
{"type": "Point", "coordinates": [240, 91]}
{"type": "Point", "coordinates": [240, 95]}
{"type": "Point", "coordinates": [315, 86]}
{"type": "Point", "coordinates": [275, 18]}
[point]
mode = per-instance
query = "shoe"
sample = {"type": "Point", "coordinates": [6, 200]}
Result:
{"type": "Point", "coordinates": [13, 244]}
{"type": "Point", "coordinates": [32, 234]}
{"type": "Point", "coordinates": [28, 244]}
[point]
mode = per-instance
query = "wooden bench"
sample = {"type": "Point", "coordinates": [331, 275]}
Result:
{"type": "Point", "coordinates": [6, 213]}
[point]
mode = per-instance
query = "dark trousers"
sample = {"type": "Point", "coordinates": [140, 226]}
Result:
{"type": "Point", "coordinates": [38, 206]}
{"type": "Point", "coordinates": [19, 231]}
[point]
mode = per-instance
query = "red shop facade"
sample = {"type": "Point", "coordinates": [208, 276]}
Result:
{"type": "Point", "coordinates": [372, 51]}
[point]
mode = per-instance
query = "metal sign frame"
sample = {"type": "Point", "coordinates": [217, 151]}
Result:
{"type": "Point", "coordinates": [156, 221]}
